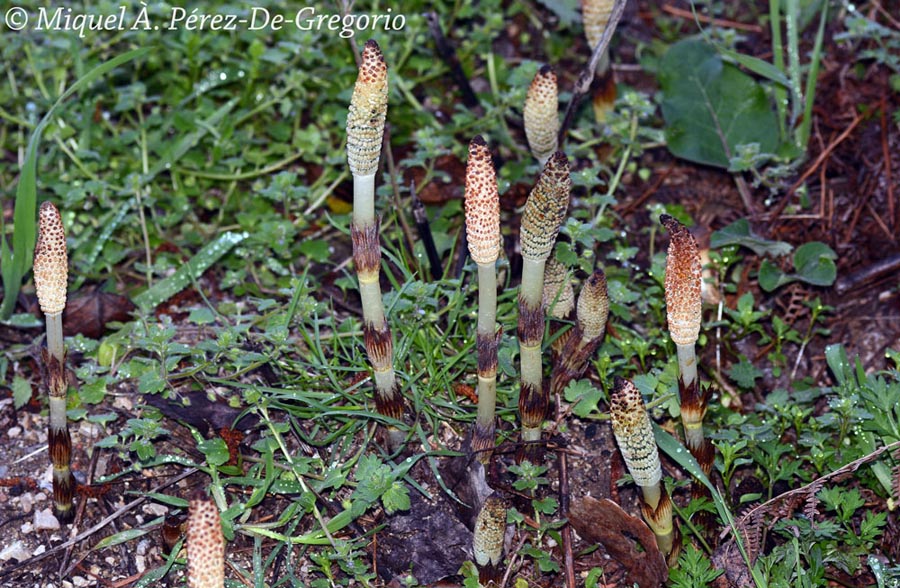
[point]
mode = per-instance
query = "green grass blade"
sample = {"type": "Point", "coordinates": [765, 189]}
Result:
{"type": "Point", "coordinates": [189, 272]}
{"type": "Point", "coordinates": [678, 452]}
{"type": "Point", "coordinates": [811, 78]}
{"type": "Point", "coordinates": [17, 262]}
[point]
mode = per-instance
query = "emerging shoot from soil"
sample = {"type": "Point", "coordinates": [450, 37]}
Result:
{"type": "Point", "coordinates": [205, 545]}
{"type": "Point", "coordinates": [541, 220]}
{"type": "Point", "coordinates": [559, 300]}
{"type": "Point", "coordinates": [541, 114]}
{"type": "Point", "coordinates": [596, 14]}
{"type": "Point", "coordinates": [51, 272]}
{"type": "Point", "coordinates": [487, 544]}
{"type": "Point", "coordinates": [365, 134]}
{"type": "Point", "coordinates": [483, 235]}
{"type": "Point", "coordinates": [634, 434]}
{"type": "Point", "coordinates": [592, 312]}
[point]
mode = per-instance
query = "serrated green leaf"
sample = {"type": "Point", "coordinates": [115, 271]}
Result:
{"type": "Point", "coordinates": [744, 373]}
{"type": "Point", "coordinates": [396, 498]}
{"type": "Point", "coordinates": [21, 389]}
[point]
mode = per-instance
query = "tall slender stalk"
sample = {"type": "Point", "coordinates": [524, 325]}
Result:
{"type": "Point", "coordinates": [634, 434]}
{"type": "Point", "coordinates": [365, 134]}
{"type": "Point", "coordinates": [205, 545]}
{"type": "Point", "coordinates": [592, 313]}
{"type": "Point", "coordinates": [541, 220]}
{"type": "Point", "coordinates": [483, 236]}
{"type": "Point", "coordinates": [541, 114]}
{"type": "Point", "coordinates": [684, 314]}
{"type": "Point", "coordinates": [51, 273]}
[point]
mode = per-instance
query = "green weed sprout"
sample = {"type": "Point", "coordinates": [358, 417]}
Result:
{"type": "Point", "coordinates": [205, 545]}
{"type": "Point", "coordinates": [541, 114]}
{"type": "Point", "coordinates": [541, 220]}
{"type": "Point", "coordinates": [595, 16]}
{"type": "Point", "coordinates": [559, 300]}
{"type": "Point", "coordinates": [487, 544]}
{"type": "Point", "coordinates": [365, 134]}
{"type": "Point", "coordinates": [51, 273]}
{"type": "Point", "coordinates": [483, 236]}
{"type": "Point", "coordinates": [634, 434]}
{"type": "Point", "coordinates": [591, 314]}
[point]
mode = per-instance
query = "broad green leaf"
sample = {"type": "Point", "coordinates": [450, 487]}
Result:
{"type": "Point", "coordinates": [710, 107]}
{"type": "Point", "coordinates": [771, 277]}
{"type": "Point", "coordinates": [739, 233]}
{"type": "Point", "coordinates": [814, 263]}
{"type": "Point", "coordinates": [215, 450]}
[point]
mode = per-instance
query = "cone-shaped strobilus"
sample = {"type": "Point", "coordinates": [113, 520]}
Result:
{"type": "Point", "coordinates": [591, 314]}
{"type": "Point", "coordinates": [634, 434]}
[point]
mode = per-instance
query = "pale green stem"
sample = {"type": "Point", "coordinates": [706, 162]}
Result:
{"type": "Point", "coordinates": [55, 336]}
{"type": "Point", "coordinates": [363, 200]}
{"type": "Point", "coordinates": [372, 305]}
{"type": "Point", "coordinates": [687, 363]}
{"type": "Point", "coordinates": [532, 281]}
{"type": "Point", "coordinates": [487, 327]}
{"type": "Point", "coordinates": [531, 369]}
{"type": "Point", "coordinates": [651, 495]}
{"type": "Point", "coordinates": [58, 421]}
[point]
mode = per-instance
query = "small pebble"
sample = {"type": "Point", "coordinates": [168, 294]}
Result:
{"type": "Point", "coordinates": [45, 521]}
{"type": "Point", "coordinates": [140, 563]}
{"type": "Point", "coordinates": [79, 581]}
{"type": "Point", "coordinates": [14, 432]}
{"type": "Point", "coordinates": [27, 528]}
{"type": "Point", "coordinates": [40, 549]}
{"type": "Point", "coordinates": [156, 510]}
{"type": "Point", "coordinates": [26, 501]}
{"type": "Point", "coordinates": [15, 551]}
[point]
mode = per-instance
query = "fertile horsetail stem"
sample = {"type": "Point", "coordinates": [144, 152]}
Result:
{"type": "Point", "coordinates": [590, 327]}
{"type": "Point", "coordinates": [541, 220]}
{"type": "Point", "coordinates": [51, 272]}
{"type": "Point", "coordinates": [205, 545]}
{"type": "Point", "coordinates": [483, 236]}
{"type": "Point", "coordinates": [559, 300]}
{"type": "Point", "coordinates": [631, 426]}
{"type": "Point", "coordinates": [487, 544]}
{"type": "Point", "coordinates": [595, 16]}
{"type": "Point", "coordinates": [365, 134]}
{"type": "Point", "coordinates": [541, 114]}
{"type": "Point", "coordinates": [683, 311]}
